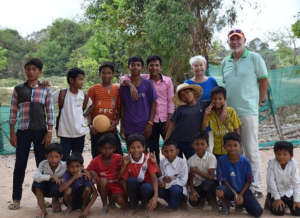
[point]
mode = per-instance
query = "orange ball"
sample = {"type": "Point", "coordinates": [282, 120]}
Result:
{"type": "Point", "coordinates": [101, 123]}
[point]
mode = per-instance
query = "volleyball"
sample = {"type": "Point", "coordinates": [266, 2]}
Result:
{"type": "Point", "coordinates": [101, 123]}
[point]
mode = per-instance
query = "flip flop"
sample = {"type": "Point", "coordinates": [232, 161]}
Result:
{"type": "Point", "coordinates": [42, 214]}
{"type": "Point", "coordinates": [15, 205]}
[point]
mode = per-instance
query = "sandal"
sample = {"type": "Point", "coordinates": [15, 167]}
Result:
{"type": "Point", "coordinates": [15, 205]}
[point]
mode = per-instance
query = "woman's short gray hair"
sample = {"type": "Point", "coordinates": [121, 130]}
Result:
{"type": "Point", "coordinates": [197, 58]}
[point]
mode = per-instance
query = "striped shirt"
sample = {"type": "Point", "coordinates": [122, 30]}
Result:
{"type": "Point", "coordinates": [30, 104]}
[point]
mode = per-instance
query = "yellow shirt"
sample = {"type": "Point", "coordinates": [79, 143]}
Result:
{"type": "Point", "coordinates": [219, 129]}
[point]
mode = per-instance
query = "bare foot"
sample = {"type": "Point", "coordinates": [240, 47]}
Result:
{"type": "Point", "coordinates": [104, 209]}
{"type": "Point", "coordinates": [67, 211]}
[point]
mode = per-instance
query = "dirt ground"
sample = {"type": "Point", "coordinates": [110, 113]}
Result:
{"type": "Point", "coordinates": [29, 207]}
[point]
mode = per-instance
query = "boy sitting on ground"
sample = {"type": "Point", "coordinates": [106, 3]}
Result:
{"type": "Point", "coordinates": [47, 178]}
{"type": "Point", "coordinates": [78, 191]}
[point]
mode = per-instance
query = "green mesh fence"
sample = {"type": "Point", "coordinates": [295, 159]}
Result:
{"type": "Point", "coordinates": [284, 91]}
{"type": "Point", "coordinates": [5, 147]}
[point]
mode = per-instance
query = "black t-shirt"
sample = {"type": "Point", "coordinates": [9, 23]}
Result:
{"type": "Point", "coordinates": [188, 120]}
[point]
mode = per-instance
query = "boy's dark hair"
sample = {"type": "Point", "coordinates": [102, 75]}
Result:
{"type": "Point", "coordinates": [218, 90]}
{"type": "Point", "coordinates": [34, 61]}
{"type": "Point", "coordinates": [109, 138]}
{"type": "Point", "coordinates": [284, 145]}
{"type": "Point", "coordinates": [54, 147]}
{"type": "Point", "coordinates": [73, 73]}
{"type": "Point", "coordinates": [75, 157]}
{"type": "Point", "coordinates": [201, 135]}
{"type": "Point", "coordinates": [107, 64]}
{"type": "Point", "coordinates": [232, 136]}
{"type": "Point", "coordinates": [154, 58]}
{"type": "Point", "coordinates": [135, 59]}
{"type": "Point", "coordinates": [169, 142]}
{"type": "Point", "coordinates": [133, 138]}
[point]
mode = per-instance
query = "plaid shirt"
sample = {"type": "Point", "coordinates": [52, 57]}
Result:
{"type": "Point", "coordinates": [38, 95]}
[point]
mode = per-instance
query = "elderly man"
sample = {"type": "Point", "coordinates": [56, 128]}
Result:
{"type": "Point", "coordinates": [245, 78]}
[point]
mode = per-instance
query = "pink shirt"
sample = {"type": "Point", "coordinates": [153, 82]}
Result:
{"type": "Point", "coordinates": [165, 93]}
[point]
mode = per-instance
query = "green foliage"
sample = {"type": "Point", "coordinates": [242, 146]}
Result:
{"type": "Point", "coordinates": [3, 59]}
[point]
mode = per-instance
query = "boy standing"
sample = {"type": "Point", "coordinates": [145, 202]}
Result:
{"type": "Point", "coordinates": [215, 119]}
{"type": "Point", "coordinates": [137, 115]}
{"type": "Point", "coordinates": [174, 176]}
{"type": "Point", "coordinates": [138, 174]}
{"type": "Point", "coordinates": [33, 103]}
{"type": "Point", "coordinates": [187, 118]}
{"type": "Point", "coordinates": [78, 191]}
{"type": "Point", "coordinates": [235, 175]}
{"type": "Point", "coordinates": [164, 105]}
{"type": "Point", "coordinates": [70, 125]}
{"type": "Point", "coordinates": [47, 178]}
{"type": "Point", "coordinates": [106, 100]}
{"type": "Point", "coordinates": [283, 181]}
{"type": "Point", "coordinates": [202, 167]}
{"type": "Point", "coordinates": [105, 168]}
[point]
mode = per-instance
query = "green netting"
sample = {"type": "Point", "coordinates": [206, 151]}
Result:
{"type": "Point", "coordinates": [284, 91]}
{"type": "Point", "coordinates": [5, 147]}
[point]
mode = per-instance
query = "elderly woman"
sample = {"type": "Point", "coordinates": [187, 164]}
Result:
{"type": "Point", "coordinates": [199, 65]}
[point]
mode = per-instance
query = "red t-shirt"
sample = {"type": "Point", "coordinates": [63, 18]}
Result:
{"type": "Point", "coordinates": [111, 172]}
{"type": "Point", "coordinates": [133, 170]}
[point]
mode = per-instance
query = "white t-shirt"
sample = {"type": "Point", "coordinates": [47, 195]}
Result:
{"type": "Point", "coordinates": [208, 161]}
{"type": "Point", "coordinates": [72, 123]}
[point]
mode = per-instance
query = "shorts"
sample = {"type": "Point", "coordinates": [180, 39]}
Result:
{"type": "Point", "coordinates": [114, 188]}
{"type": "Point", "coordinates": [77, 197]}
{"type": "Point", "coordinates": [49, 189]}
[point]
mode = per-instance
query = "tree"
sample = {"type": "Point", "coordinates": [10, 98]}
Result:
{"type": "Point", "coordinates": [296, 26]}
{"type": "Point", "coordinates": [3, 59]}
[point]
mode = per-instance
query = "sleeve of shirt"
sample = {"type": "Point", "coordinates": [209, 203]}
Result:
{"type": "Point", "coordinates": [91, 166]}
{"type": "Point", "coordinates": [152, 93]}
{"type": "Point", "coordinates": [176, 115]}
{"type": "Point", "coordinates": [151, 168]}
{"type": "Point", "coordinates": [124, 78]}
{"type": "Point", "coordinates": [221, 175]}
{"type": "Point", "coordinates": [260, 67]}
{"type": "Point", "coordinates": [296, 183]}
{"type": "Point", "coordinates": [13, 108]}
{"type": "Point", "coordinates": [66, 177]}
{"type": "Point", "coordinates": [183, 176]}
{"type": "Point", "coordinates": [214, 82]}
{"type": "Point", "coordinates": [55, 96]}
{"type": "Point", "coordinates": [91, 94]}
{"type": "Point", "coordinates": [235, 120]}
{"type": "Point", "coordinates": [212, 162]}
{"type": "Point", "coordinates": [271, 183]}
{"type": "Point", "coordinates": [171, 106]}
{"type": "Point", "coordinates": [49, 108]}
{"type": "Point", "coordinates": [38, 176]}
{"type": "Point", "coordinates": [249, 172]}
{"type": "Point", "coordinates": [125, 175]}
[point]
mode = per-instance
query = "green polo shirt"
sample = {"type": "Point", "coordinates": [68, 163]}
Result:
{"type": "Point", "coordinates": [241, 81]}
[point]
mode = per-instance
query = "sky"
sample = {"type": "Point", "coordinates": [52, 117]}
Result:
{"type": "Point", "coordinates": [27, 16]}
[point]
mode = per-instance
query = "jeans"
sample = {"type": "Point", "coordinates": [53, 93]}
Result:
{"type": "Point", "coordinates": [289, 201]}
{"type": "Point", "coordinates": [157, 131]}
{"type": "Point", "coordinates": [250, 203]}
{"type": "Point", "coordinates": [138, 191]}
{"type": "Point", "coordinates": [24, 140]}
{"type": "Point", "coordinates": [173, 196]}
{"type": "Point", "coordinates": [71, 144]}
{"type": "Point", "coordinates": [206, 191]}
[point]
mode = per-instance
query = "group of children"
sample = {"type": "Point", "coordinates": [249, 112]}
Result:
{"type": "Point", "coordinates": [145, 106]}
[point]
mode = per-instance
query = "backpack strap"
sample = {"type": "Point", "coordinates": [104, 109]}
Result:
{"type": "Point", "coordinates": [85, 101]}
{"type": "Point", "coordinates": [61, 101]}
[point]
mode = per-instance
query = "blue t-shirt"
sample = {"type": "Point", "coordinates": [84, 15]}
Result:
{"type": "Point", "coordinates": [137, 113]}
{"type": "Point", "coordinates": [82, 181]}
{"type": "Point", "coordinates": [207, 86]}
{"type": "Point", "coordinates": [236, 174]}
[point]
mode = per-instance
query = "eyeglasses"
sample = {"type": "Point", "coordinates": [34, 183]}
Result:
{"type": "Point", "coordinates": [235, 31]}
